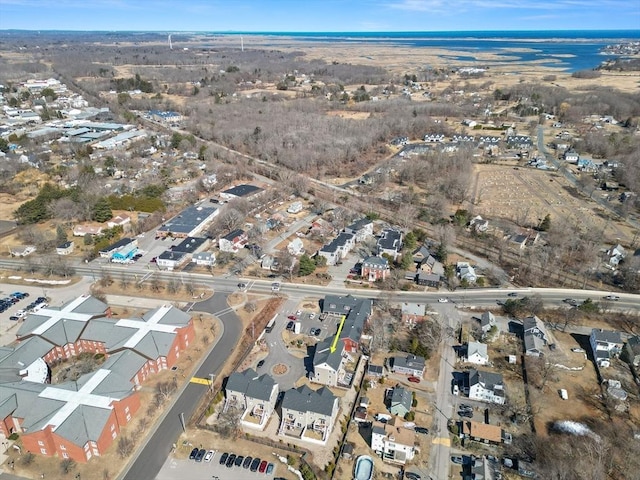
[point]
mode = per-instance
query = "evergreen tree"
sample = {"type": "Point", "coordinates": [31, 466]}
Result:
{"type": "Point", "coordinates": [307, 266]}
{"type": "Point", "coordinates": [101, 211]}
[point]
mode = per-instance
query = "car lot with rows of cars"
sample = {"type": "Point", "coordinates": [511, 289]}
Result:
{"type": "Point", "coordinates": [239, 466]}
{"type": "Point", "coordinates": [16, 300]}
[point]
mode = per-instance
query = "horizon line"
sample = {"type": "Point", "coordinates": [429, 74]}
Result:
{"type": "Point", "coordinates": [258, 32]}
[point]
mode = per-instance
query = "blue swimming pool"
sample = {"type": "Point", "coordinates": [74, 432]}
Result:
{"type": "Point", "coordinates": [364, 468]}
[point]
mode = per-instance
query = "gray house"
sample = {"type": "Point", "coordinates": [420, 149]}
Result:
{"type": "Point", "coordinates": [254, 395]}
{"type": "Point", "coordinates": [633, 350]}
{"type": "Point", "coordinates": [400, 401]}
{"type": "Point", "coordinates": [408, 365]}
{"type": "Point", "coordinates": [487, 320]}
{"type": "Point", "coordinates": [308, 415]}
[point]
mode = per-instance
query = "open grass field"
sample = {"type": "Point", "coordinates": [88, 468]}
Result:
{"type": "Point", "coordinates": [528, 195]}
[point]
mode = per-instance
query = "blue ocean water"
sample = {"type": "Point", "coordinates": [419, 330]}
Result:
{"type": "Point", "coordinates": [570, 50]}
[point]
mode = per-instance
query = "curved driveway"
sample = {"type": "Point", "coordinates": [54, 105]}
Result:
{"type": "Point", "coordinates": [149, 459]}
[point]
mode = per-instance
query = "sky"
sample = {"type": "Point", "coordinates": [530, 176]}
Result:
{"type": "Point", "coordinates": [319, 15]}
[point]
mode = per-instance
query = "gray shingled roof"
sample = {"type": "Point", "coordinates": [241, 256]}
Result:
{"type": "Point", "coordinates": [323, 354]}
{"type": "Point", "coordinates": [251, 384]}
{"type": "Point", "coordinates": [303, 399]}
{"type": "Point", "coordinates": [13, 360]}
{"type": "Point", "coordinates": [126, 363]}
{"type": "Point", "coordinates": [410, 361]}
{"type": "Point", "coordinates": [608, 336]}
{"type": "Point", "coordinates": [401, 396]}
{"type": "Point", "coordinates": [488, 379]}
{"type": "Point", "coordinates": [359, 224]}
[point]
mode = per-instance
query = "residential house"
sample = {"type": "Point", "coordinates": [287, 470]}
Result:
{"type": "Point", "coordinates": [204, 259]}
{"type": "Point", "coordinates": [233, 241]}
{"type": "Point", "coordinates": [485, 433]}
{"type": "Point", "coordinates": [21, 250]}
{"type": "Point", "coordinates": [632, 350]}
{"type": "Point", "coordinates": [267, 262]}
{"type": "Point", "coordinates": [605, 344]}
{"type": "Point", "coordinates": [414, 312]}
{"type": "Point", "coordinates": [466, 272]}
{"type": "Point", "coordinates": [375, 268]}
{"type": "Point", "coordinates": [122, 220]}
{"type": "Point", "coordinates": [399, 141]}
{"type": "Point", "coordinates": [393, 442]}
{"type": "Point", "coordinates": [321, 228]}
{"type": "Point", "coordinates": [477, 353]}
{"type": "Point", "coordinates": [486, 387]}
{"type": "Point", "coordinates": [390, 242]}
{"type": "Point", "coordinates": [434, 137]}
{"type": "Point", "coordinates": [420, 254]}
{"type": "Point", "coordinates": [535, 336]}
{"type": "Point", "coordinates": [408, 365]}
{"type": "Point", "coordinates": [374, 370]}
{"type": "Point", "coordinates": [362, 229]}
{"type": "Point", "coordinates": [522, 142]}
{"type": "Point", "coordinates": [338, 248]}
{"type": "Point", "coordinates": [253, 395]}
{"type": "Point", "coordinates": [484, 468]}
{"type": "Point", "coordinates": [308, 415]}
{"type": "Point", "coordinates": [524, 238]}
{"type": "Point", "coordinates": [328, 364]}
{"type": "Point", "coordinates": [400, 400]}
{"type": "Point", "coordinates": [82, 230]}
{"type": "Point", "coordinates": [295, 207]}
{"type": "Point", "coordinates": [295, 247]}
{"type": "Point", "coordinates": [66, 248]}
{"type": "Point", "coordinates": [458, 138]}
{"type": "Point", "coordinates": [487, 320]}
{"type": "Point", "coordinates": [616, 255]}
{"type": "Point", "coordinates": [479, 224]}
{"type": "Point", "coordinates": [570, 155]}
{"type": "Point", "coordinates": [428, 279]}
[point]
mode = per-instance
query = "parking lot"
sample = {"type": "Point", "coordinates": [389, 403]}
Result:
{"type": "Point", "coordinates": [178, 469]}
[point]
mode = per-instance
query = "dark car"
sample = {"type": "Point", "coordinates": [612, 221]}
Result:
{"type": "Point", "coordinates": [223, 458]}
{"type": "Point", "coordinates": [40, 300]}
{"type": "Point", "coordinates": [315, 332]}
{"type": "Point", "coordinates": [255, 464]}
{"type": "Point", "coordinates": [424, 431]}
{"type": "Point", "coordinates": [231, 460]}
{"type": "Point", "coordinates": [247, 462]}
{"type": "Point", "coordinates": [290, 326]}
{"type": "Point", "coordinates": [411, 476]}
{"type": "Point", "coordinates": [414, 379]}
{"type": "Point", "coordinates": [239, 460]}
{"type": "Point", "coordinates": [13, 318]}
{"type": "Point", "coordinates": [263, 466]}
{"type": "Point", "coordinates": [466, 413]}
{"type": "Point", "coordinates": [201, 453]}
{"type": "Point", "coordinates": [260, 364]}
{"type": "Point", "coordinates": [465, 408]}
{"type": "Point", "coordinates": [193, 454]}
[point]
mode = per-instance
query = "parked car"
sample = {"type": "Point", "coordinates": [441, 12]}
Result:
{"type": "Point", "coordinates": [255, 464]}
{"type": "Point", "coordinates": [200, 455]}
{"type": "Point", "coordinates": [231, 460]}
{"type": "Point", "coordinates": [465, 413]}
{"type": "Point", "coordinates": [315, 332]}
{"type": "Point", "coordinates": [292, 317]}
{"type": "Point", "coordinates": [411, 476]}
{"type": "Point", "coordinates": [247, 462]}
{"type": "Point", "coordinates": [269, 470]}
{"type": "Point", "coordinates": [422, 430]}
{"type": "Point", "coordinates": [465, 407]}
{"type": "Point", "coordinates": [298, 313]}
{"type": "Point", "coordinates": [239, 460]}
{"type": "Point", "coordinates": [263, 466]}
{"type": "Point", "coordinates": [14, 318]}
{"type": "Point", "coordinates": [457, 459]}
{"type": "Point", "coordinates": [260, 364]}
{"type": "Point", "coordinates": [193, 453]}
{"type": "Point", "coordinates": [223, 458]}
{"type": "Point", "coordinates": [414, 379]}
{"type": "Point", "coordinates": [312, 315]}
{"type": "Point", "coordinates": [209, 456]}
{"type": "Point", "coordinates": [290, 325]}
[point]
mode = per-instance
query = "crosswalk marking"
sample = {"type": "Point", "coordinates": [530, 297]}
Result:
{"type": "Point", "coordinates": [446, 441]}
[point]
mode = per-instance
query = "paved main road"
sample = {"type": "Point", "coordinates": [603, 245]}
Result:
{"type": "Point", "coordinates": [149, 459]}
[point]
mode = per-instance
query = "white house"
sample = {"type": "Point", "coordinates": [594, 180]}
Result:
{"type": "Point", "coordinates": [616, 255]}
{"type": "Point", "coordinates": [486, 387]}
{"type": "Point", "coordinates": [295, 247]}
{"type": "Point", "coordinates": [393, 442]}
{"type": "Point", "coordinates": [295, 207]}
{"type": "Point", "coordinates": [204, 259]}
{"type": "Point", "coordinates": [466, 272]}
{"type": "Point", "coordinates": [604, 345]}
{"type": "Point", "coordinates": [362, 229]}
{"type": "Point", "coordinates": [479, 224]}
{"type": "Point", "coordinates": [65, 249]}
{"type": "Point", "coordinates": [232, 242]}
{"type": "Point", "coordinates": [119, 221]}
{"type": "Point", "coordinates": [477, 353]}
{"type": "Point", "coordinates": [171, 260]}
{"type": "Point", "coordinates": [408, 365]}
